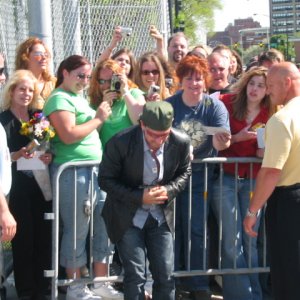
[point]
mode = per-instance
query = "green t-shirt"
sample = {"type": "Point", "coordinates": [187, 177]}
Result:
{"type": "Point", "coordinates": [89, 148]}
{"type": "Point", "coordinates": [119, 118]}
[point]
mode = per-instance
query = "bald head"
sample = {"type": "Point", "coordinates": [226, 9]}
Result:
{"type": "Point", "coordinates": [283, 82]}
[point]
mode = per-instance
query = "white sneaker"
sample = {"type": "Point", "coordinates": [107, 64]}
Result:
{"type": "Point", "coordinates": [106, 291]}
{"type": "Point", "coordinates": [81, 292]}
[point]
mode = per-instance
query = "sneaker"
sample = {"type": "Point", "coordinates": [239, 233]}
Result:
{"type": "Point", "coordinates": [80, 292]}
{"type": "Point", "coordinates": [106, 291]}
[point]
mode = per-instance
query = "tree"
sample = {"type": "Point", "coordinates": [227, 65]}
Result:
{"type": "Point", "coordinates": [195, 13]}
{"type": "Point", "coordinates": [281, 42]}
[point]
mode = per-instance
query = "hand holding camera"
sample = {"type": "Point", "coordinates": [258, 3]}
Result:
{"type": "Point", "coordinates": [153, 93]}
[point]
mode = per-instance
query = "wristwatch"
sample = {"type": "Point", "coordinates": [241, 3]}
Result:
{"type": "Point", "coordinates": [252, 214]}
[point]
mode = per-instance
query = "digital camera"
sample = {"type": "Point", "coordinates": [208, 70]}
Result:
{"type": "Point", "coordinates": [152, 90]}
{"type": "Point", "coordinates": [115, 85]}
{"type": "Point", "coordinates": [126, 31]}
{"type": "Point", "coordinates": [169, 82]}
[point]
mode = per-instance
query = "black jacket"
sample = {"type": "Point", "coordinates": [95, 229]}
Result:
{"type": "Point", "coordinates": [121, 176]}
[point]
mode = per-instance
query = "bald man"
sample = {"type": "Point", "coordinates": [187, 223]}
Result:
{"type": "Point", "coordinates": [2, 74]}
{"type": "Point", "coordinates": [278, 182]}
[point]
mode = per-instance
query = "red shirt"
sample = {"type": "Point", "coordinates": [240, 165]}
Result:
{"type": "Point", "coordinates": [245, 148]}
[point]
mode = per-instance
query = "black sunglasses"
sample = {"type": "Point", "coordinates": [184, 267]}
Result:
{"type": "Point", "coordinates": [1, 71]}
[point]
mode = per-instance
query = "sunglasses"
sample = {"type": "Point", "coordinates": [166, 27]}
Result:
{"type": "Point", "coordinates": [83, 76]}
{"type": "Point", "coordinates": [148, 72]}
{"type": "Point", "coordinates": [40, 54]}
{"type": "Point", "coordinates": [157, 135]}
{"type": "Point", "coordinates": [103, 81]}
{"type": "Point", "coordinates": [1, 71]}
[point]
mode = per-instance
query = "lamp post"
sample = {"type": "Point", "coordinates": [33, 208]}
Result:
{"type": "Point", "coordinates": [267, 30]}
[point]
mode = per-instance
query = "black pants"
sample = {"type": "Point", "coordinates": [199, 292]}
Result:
{"type": "Point", "coordinates": [31, 246]}
{"type": "Point", "coordinates": [283, 233]}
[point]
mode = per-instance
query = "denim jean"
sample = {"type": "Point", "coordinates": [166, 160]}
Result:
{"type": "Point", "coordinates": [155, 243]}
{"type": "Point", "coordinates": [74, 255]}
{"type": "Point", "coordinates": [235, 242]}
{"type": "Point", "coordinates": [193, 283]}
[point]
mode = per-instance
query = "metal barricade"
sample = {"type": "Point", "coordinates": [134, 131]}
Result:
{"type": "Point", "coordinates": [54, 273]}
{"type": "Point", "coordinates": [219, 270]}
{"type": "Point", "coordinates": [183, 273]}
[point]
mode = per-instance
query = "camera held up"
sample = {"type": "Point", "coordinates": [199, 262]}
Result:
{"type": "Point", "coordinates": [115, 85]}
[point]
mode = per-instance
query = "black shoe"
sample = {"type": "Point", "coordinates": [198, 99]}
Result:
{"type": "Point", "coordinates": [201, 295]}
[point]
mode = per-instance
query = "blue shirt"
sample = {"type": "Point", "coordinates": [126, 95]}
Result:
{"type": "Point", "coordinates": [209, 112]}
{"type": "Point", "coordinates": [150, 178]}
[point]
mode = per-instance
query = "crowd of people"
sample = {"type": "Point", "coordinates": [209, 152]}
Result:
{"type": "Point", "coordinates": [145, 120]}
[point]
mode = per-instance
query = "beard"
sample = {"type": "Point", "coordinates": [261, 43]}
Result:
{"type": "Point", "coordinates": [178, 56]}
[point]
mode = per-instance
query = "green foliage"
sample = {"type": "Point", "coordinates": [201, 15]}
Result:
{"type": "Point", "coordinates": [281, 42]}
{"type": "Point", "coordinates": [197, 13]}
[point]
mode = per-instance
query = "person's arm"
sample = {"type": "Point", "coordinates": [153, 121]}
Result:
{"type": "Point", "coordinates": [134, 104]}
{"type": "Point", "coordinates": [160, 45]}
{"type": "Point", "coordinates": [65, 124]}
{"type": "Point", "coordinates": [116, 39]}
{"type": "Point", "coordinates": [266, 181]}
{"type": "Point", "coordinates": [221, 140]}
{"type": "Point", "coordinates": [7, 221]}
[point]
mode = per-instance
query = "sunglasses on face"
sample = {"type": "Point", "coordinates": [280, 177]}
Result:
{"type": "Point", "coordinates": [103, 81]}
{"type": "Point", "coordinates": [157, 135]}
{"type": "Point", "coordinates": [83, 77]}
{"type": "Point", "coordinates": [1, 71]}
{"type": "Point", "coordinates": [148, 72]}
{"type": "Point", "coordinates": [40, 54]}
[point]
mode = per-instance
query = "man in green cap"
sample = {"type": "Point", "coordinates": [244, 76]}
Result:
{"type": "Point", "coordinates": [143, 169]}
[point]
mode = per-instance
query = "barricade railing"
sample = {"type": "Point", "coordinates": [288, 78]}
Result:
{"type": "Point", "coordinates": [54, 273]}
{"type": "Point", "coordinates": [207, 270]}
{"type": "Point", "coordinates": [218, 270]}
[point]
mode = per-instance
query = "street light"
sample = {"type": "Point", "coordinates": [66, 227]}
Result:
{"type": "Point", "coordinates": [268, 29]}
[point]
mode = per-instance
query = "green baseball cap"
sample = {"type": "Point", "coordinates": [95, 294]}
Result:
{"type": "Point", "coordinates": [157, 115]}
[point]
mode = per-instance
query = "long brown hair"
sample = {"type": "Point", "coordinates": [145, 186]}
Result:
{"type": "Point", "coordinates": [239, 104]}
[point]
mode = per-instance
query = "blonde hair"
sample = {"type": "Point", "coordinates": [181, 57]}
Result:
{"type": "Point", "coordinates": [15, 79]}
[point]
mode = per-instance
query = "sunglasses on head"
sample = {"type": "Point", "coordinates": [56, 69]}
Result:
{"type": "Point", "coordinates": [148, 72]}
{"type": "Point", "coordinates": [1, 71]}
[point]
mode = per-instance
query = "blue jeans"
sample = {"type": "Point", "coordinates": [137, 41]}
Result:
{"type": "Point", "coordinates": [155, 243]}
{"type": "Point", "coordinates": [68, 251]}
{"type": "Point", "coordinates": [235, 242]}
{"type": "Point", "coordinates": [193, 283]}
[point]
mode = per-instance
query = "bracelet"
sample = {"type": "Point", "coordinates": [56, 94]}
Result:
{"type": "Point", "coordinates": [251, 214]}
{"type": "Point", "coordinates": [11, 157]}
{"type": "Point", "coordinates": [126, 93]}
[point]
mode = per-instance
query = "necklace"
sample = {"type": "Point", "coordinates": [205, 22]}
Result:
{"type": "Point", "coordinates": [196, 108]}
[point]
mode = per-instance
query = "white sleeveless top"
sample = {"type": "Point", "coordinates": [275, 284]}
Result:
{"type": "Point", "coordinates": [5, 163]}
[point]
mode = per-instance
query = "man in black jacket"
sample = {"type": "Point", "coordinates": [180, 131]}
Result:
{"type": "Point", "coordinates": [142, 171]}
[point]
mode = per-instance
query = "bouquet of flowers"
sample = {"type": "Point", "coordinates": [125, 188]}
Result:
{"type": "Point", "coordinates": [38, 129]}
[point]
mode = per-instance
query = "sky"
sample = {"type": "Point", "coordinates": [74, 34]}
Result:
{"type": "Point", "coordinates": [241, 9]}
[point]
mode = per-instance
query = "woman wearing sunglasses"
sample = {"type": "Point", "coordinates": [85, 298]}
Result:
{"type": "Point", "coordinates": [77, 139]}
{"type": "Point", "coordinates": [33, 55]}
{"type": "Point", "coordinates": [150, 73]}
{"type": "Point", "coordinates": [109, 84]}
